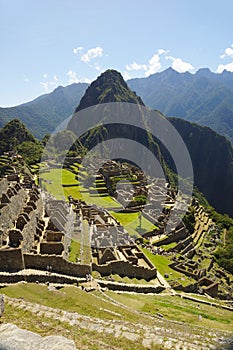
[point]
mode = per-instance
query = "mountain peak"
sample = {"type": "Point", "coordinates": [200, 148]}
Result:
{"type": "Point", "coordinates": [204, 72]}
{"type": "Point", "coordinates": [108, 87]}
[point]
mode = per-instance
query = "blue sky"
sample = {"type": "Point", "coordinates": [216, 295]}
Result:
{"type": "Point", "coordinates": [48, 43]}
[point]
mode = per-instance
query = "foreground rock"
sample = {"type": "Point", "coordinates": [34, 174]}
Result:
{"type": "Point", "coordinates": [14, 338]}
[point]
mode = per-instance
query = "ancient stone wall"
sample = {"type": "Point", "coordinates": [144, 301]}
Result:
{"type": "Point", "coordinates": [58, 264]}
{"type": "Point", "coordinates": [51, 248]}
{"type": "Point", "coordinates": [11, 260]}
{"type": "Point", "coordinates": [34, 278]}
{"type": "Point", "coordinates": [3, 186]}
{"type": "Point", "coordinates": [181, 234]}
{"type": "Point", "coordinates": [183, 244]}
{"type": "Point", "coordinates": [10, 212]}
{"type": "Point", "coordinates": [125, 268]}
{"type": "Point", "coordinates": [178, 267]}
{"type": "Point", "coordinates": [130, 288]}
{"type": "Point", "coordinates": [29, 231]}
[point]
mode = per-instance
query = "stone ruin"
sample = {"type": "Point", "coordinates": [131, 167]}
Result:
{"type": "Point", "coordinates": [113, 250]}
{"type": "Point", "coordinates": [30, 228]}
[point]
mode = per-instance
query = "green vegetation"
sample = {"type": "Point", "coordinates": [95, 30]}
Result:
{"type": "Point", "coordinates": [128, 280]}
{"type": "Point", "coordinates": [83, 338]}
{"type": "Point", "coordinates": [85, 245]}
{"type": "Point", "coordinates": [162, 264]}
{"type": "Point", "coordinates": [71, 298]}
{"type": "Point", "coordinates": [189, 219]}
{"type": "Point", "coordinates": [52, 179]}
{"type": "Point", "coordinates": [176, 308]}
{"type": "Point", "coordinates": [224, 253]}
{"type": "Point", "coordinates": [15, 137]}
{"type": "Point", "coordinates": [140, 200]}
{"type": "Point", "coordinates": [209, 155]}
{"type": "Point", "coordinates": [30, 151]}
{"type": "Point", "coordinates": [169, 246]}
{"type": "Point", "coordinates": [74, 251]}
{"type": "Point", "coordinates": [42, 115]}
{"type": "Point", "coordinates": [109, 87]}
{"type": "Point", "coordinates": [204, 97]}
{"type": "Point", "coordinates": [97, 304]}
{"type": "Point", "coordinates": [131, 222]}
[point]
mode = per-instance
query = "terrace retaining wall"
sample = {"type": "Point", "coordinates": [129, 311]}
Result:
{"type": "Point", "coordinates": [124, 268]}
{"type": "Point", "coordinates": [58, 264]}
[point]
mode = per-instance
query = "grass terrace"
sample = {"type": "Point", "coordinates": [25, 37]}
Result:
{"type": "Point", "coordinates": [178, 309]}
{"type": "Point", "coordinates": [162, 264]}
{"type": "Point", "coordinates": [131, 223]}
{"type": "Point", "coordinates": [74, 251]}
{"type": "Point", "coordinates": [51, 182]}
{"type": "Point", "coordinates": [69, 298]}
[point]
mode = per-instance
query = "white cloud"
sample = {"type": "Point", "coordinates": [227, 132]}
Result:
{"type": "Point", "coordinates": [161, 51]}
{"type": "Point", "coordinates": [77, 50]}
{"type": "Point", "coordinates": [179, 65]}
{"type": "Point", "coordinates": [49, 85]}
{"type": "Point", "coordinates": [228, 52]}
{"type": "Point", "coordinates": [136, 66]}
{"type": "Point", "coordinates": [74, 79]}
{"type": "Point", "coordinates": [154, 63]}
{"type": "Point", "coordinates": [92, 53]}
{"type": "Point", "coordinates": [126, 75]}
{"type": "Point", "coordinates": [222, 67]}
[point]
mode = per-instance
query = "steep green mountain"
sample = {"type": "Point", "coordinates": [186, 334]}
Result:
{"type": "Point", "coordinates": [44, 114]}
{"type": "Point", "coordinates": [108, 87]}
{"type": "Point", "coordinates": [212, 159]}
{"type": "Point", "coordinates": [15, 137]}
{"type": "Point", "coordinates": [203, 97]}
{"type": "Point", "coordinates": [211, 154]}
{"type": "Point", "coordinates": [111, 87]}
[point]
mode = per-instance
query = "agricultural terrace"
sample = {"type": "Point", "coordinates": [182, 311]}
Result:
{"type": "Point", "coordinates": [50, 181]}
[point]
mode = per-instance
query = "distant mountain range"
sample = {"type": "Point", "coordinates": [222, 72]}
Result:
{"type": "Point", "coordinates": [42, 115]}
{"type": "Point", "coordinates": [205, 98]}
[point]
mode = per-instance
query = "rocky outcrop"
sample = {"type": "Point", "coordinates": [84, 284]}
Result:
{"type": "Point", "coordinates": [14, 338]}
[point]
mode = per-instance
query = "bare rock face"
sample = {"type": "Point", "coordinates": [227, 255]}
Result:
{"type": "Point", "coordinates": [14, 338]}
{"type": "Point", "coordinates": [1, 305]}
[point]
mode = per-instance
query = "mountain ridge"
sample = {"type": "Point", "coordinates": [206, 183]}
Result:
{"type": "Point", "coordinates": [203, 97]}
{"type": "Point", "coordinates": [50, 109]}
